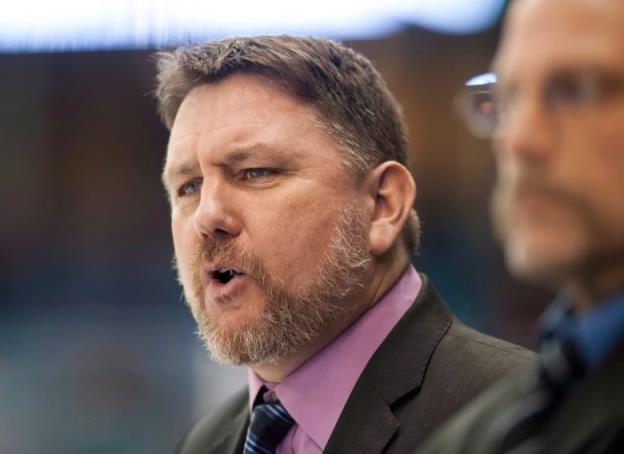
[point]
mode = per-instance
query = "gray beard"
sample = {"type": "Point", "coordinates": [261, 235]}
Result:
{"type": "Point", "coordinates": [291, 319]}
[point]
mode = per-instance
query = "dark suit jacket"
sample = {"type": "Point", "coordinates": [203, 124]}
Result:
{"type": "Point", "coordinates": [589, 421]}
{"type": "Point", "coordinates": [425, 370]}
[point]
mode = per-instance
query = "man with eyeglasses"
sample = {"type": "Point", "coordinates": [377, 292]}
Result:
{"type": "Point", "coordinates": [554, 107]}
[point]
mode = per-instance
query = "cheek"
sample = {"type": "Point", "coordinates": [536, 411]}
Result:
{"type": "Point", "coordinates": [293, 239]}
{"type": "Point", "coordinates": [184, 247]}
{"type": "Point", "coordinates": [601, 160]}
{"type": "Point", "coordinates": [608, 198]}
{"type": "Point", "coordinates": [507, 172]}
{"type": "Point", "coordinates": [508, 168]}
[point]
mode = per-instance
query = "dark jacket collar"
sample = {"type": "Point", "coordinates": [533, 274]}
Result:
{"type": "Point", "coordinates": [367, 418]}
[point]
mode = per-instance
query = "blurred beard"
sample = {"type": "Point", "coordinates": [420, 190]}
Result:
{"type": "Point", "coordinates": [571, 240]}
{"type": "Point", "coordinates": [290, 318]}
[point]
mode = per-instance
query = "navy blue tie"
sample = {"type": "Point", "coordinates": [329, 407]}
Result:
{"type": "Point", "coordinates": [561, 367]}
{"type": "Point", "coordinates": [269, 424]}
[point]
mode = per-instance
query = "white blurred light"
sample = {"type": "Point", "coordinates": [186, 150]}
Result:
{"type": "Point", "coordinates": [101, 24]}
{"type": "Point", "coordinates": [482, 79]}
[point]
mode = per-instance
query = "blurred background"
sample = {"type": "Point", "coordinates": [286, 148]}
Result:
{"type": "Point", "coordinates": [97, 349]}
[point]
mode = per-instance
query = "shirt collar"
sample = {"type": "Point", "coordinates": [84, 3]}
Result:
{"type": "Point", "coordinates": [316, 393]}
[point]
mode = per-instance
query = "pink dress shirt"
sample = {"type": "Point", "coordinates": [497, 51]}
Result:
{"type": "Point", "coordinates": [315, 393]}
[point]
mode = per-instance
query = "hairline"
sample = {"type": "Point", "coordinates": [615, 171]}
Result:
{"type": "Point", "coordinates": [349, 161]}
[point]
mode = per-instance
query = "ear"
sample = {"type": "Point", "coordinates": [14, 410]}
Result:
{"type": "Point", "coordinates": [393, 191]}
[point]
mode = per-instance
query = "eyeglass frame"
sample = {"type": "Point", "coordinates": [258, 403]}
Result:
{"type": "Point", "coordinates": [481, 105]}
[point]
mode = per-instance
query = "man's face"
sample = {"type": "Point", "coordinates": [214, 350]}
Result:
{"type": "Point", "coordinates": [558, 205]}
{"type": "Point", "coordinates": [269, 231]}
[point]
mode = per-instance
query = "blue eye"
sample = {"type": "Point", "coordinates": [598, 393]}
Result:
{"type": "Point", "coordinates": [258, 173]}
{"type": "Point", "coordinates": [189, 188]}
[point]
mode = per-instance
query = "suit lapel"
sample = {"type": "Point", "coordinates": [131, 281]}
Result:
{"type": "Point", "coordinates": [233, 442]}
{"type": "Point", "coordinates": [367, 423]}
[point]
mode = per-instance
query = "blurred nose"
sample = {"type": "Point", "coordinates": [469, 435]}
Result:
{"type": "Point", "coordinates": [527, 132]}
{"type": "Point", "coordinates": [215, 214]}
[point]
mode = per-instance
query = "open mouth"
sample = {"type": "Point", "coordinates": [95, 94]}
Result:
{"type": "Point", "coordinates": [225, 275]}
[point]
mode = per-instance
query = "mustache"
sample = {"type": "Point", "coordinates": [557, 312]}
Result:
{"type": "Point", "coordinates": [214, 249]}
{"type": "Point", "coordinates": [510, 193]}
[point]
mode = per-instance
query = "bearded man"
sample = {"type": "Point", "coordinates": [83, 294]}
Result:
{"type": "Point", "coordinates": [558, 210]}
{"type": "Point", "coordinates": [293, 228]}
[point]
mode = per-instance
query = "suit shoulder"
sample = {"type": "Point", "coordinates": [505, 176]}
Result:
{"type": "Point", "coordinates": [484, 345]}
{"type": "Point", "coordinates": [213, 429]}
{"type": "Point", "coordinates": [468, 430]}
{"type": "Point", "coordinates": [480, 359]}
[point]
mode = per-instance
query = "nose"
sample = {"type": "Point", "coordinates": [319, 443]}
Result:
{"type": "Point", "coordinates": [527, 131]}
{"type": "Point", "coordinates": [216, 213]}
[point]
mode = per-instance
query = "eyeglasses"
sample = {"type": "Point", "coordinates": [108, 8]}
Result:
{"type": "Point", "coordinates": [484, 106]}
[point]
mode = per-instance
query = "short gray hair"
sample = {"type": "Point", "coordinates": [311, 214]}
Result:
{"type": "Point", "coordinates": [351, 99]}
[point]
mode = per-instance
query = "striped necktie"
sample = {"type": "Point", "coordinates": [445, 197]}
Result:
{"type": "Point", "coordinates": [269, 424]}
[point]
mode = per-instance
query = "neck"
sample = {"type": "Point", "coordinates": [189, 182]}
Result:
{"type": "Point", "coordinates": [385, 272]}
{"type": "Point", "coordinates": [598, 282]}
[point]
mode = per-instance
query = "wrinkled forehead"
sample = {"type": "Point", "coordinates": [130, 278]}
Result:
{"type": "Point", "coordinates": [543, 34]}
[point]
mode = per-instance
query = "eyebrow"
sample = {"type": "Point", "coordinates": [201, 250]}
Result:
{"type": "Point", "coordinates": [239, 154]}
{"type": "Point", "coordinates": [176, 172]}
{"type": "Point", "coordinates": [246, 152]}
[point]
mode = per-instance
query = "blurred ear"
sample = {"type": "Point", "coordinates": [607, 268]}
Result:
{"type": "Point", "coordinates": [393, 190]}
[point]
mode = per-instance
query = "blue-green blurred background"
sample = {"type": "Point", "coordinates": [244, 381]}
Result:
{"type": "Point", "coordinates": [97, 349]}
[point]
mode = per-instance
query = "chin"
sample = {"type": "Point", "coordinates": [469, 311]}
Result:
{"type": "Point", "coordinates": [541, 258]}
